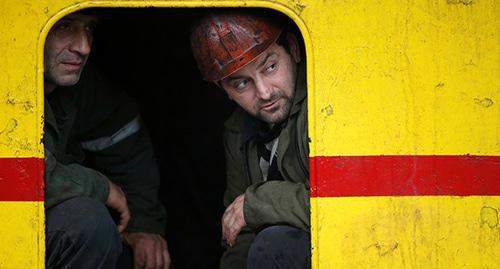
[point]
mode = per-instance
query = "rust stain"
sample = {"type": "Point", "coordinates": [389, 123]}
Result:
{"type": "Point", "coordinates": [485, 102]}
{"type": "Point", "coordinates": [26, 105]}
{"type": "Point", "coordinates": [5, 134]}
{"type": "Point", "coordinates": [440, 85]}
{"type": "Point", "coordinates": [383, 250]}
{"type": "Point", "coordinates": [328, 110]}
{"type": "Point", "coordinates": [298, 5]}
{"type": "Point", "coordinates": [464, 2]}
{"type": "Point", "coordinates": [489, 216]}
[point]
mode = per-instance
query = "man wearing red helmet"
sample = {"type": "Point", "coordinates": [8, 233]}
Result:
{"type": "Point", "coordinates": [258, 64]}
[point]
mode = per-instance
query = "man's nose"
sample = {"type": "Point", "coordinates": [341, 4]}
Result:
{"type": "Point", "coordinates": [81, 43]}
{"type": "Point", "coordinates": [264, 90]}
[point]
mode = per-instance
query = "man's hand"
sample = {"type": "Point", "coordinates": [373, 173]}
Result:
{"type": "Point", "coordinates": [233, 220]}
{"type": "Point", "coordinates": [150, 250]}
{"type": "Point", "coordinates": [118, 202]}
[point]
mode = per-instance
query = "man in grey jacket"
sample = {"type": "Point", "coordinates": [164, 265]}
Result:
{"type": "Point", "coordinates": [97, 154]}
{"type": "Point", "coordinates": [257, 61]}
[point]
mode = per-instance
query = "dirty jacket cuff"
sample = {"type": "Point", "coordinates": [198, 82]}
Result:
{"type": "Point", "coordinates": [277, 202]}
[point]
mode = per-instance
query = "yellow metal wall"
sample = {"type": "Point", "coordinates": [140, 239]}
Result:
{"type": "Point", "coordinates": [385, 77]}
{"type": "Point", "coordinates": [406, 77]}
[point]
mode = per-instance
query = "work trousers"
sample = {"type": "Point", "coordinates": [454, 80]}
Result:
{"type": "Point", "coordinates": [80, 233]}
{"type": "Point", "coordinates": [280, 247]}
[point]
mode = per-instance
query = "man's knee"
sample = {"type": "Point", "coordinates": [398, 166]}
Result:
{"type": "Point", "coordinates": [83, 218]}
{"type": "Point", "coordinates": [81, 225]}
{"type": "Point", "coordinates": [280, 247]}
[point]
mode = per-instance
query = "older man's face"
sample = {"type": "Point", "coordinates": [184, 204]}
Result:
{"type": "Point", "coordinates": [67, 48]}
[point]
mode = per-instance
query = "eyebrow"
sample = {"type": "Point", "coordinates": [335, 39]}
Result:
{"type": "Point", "coordinates": [73, 17]}
{"type": "Point", "coordinates": [66, 19]}
{"type": "Point", "coordinates": [230, 78]}
{"type": "Point", "coordinates": [259, 65]}
{"type": "Point", "coordinates": [269, 54]}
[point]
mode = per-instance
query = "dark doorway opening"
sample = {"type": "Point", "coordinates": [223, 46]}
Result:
{"type": "Point", "coordinates": [147, 51]}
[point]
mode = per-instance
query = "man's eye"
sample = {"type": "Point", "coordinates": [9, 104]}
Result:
{"type": "Point", "coordinates": [91, 27]}
{"type": "Point", "coordinates": [63, 26]}
{"type": "Point", "coordinates": [271, 67]}
{"type": "Point", "coordinates": [240, 84]}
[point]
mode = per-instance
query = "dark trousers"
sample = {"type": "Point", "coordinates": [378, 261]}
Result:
{"type": "Point", "coordinates": [280, 247]}
{"type": "Point", "coordinates": [80, 233]}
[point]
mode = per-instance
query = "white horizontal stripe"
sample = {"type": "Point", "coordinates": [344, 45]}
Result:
{"type": "Point", "coordinates": [107, 141]}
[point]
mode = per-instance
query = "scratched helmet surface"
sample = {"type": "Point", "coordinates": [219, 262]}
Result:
{"type": "Point", "coordinates": [222, 43]}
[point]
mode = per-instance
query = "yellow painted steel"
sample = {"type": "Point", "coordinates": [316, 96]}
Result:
{"type": "Point", "coordinates": [406, 77]}
{"type": "Point", "coordinates": [408, 232]}
{"type": "Point", "coordinates": [385, 77]}
{"type": "Point", "coordinates": [22, 235]}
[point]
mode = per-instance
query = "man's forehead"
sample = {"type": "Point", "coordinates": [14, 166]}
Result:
{"type": "Point", "coordinates": [271, 53]}
{"type": "Point", "coordinates": [81, 17]}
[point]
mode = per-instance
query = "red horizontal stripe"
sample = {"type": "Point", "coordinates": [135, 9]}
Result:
{"type": "Point", "coordinates": [21, 179]}
{"type": "Point", "coordinates": [405, 175]}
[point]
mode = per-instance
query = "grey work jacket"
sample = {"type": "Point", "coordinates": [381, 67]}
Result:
{"type": "Point", "coordinates": [92, 133]}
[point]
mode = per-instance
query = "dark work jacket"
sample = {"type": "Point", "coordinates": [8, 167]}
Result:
{"type": "Point", "coordinates": [92, 133]}
{"type": "Point", "coordinates": [273, 201]}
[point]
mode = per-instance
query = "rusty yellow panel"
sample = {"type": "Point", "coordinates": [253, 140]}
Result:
{"type": "Point", "coordinates": [407, 232]}
{"type": "Point", "coordinates": [20, 119]}
{"type": "Point", "coordinates": [405, 77]}
{"type": "Point", "coordinates": [385, 77]}
{"type": "Point", "coordinates": [23, 27]}
{"type": "Point", "coordinates": [22, 231]}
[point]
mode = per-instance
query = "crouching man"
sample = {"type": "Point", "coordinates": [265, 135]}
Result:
{"type": "Point", "coordinates": [98, 160]}
{"type": "Point", "coordinates": [257, 61]}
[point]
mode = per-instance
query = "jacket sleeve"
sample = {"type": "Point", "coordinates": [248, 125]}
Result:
{"type": "Point", "coordinates": [66, 181]}
{"type": "Point", "coordinates": [271, 202]}
{"type": "Point", "coordinates": [237, 179]}
{"type": "Point", "coordinates": [277, 202]}
{"type": "Point", "coordinates": [274, 201]}
{"type": "Point", "coordinates": [118, 145]}
{"type": "Point", "coordinates": [131, 165]}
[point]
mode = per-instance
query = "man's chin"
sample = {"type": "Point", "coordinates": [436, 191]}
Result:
{"type": "Point", "coordinates": [68, 80]}
{"type": "Point", "coordinates": [271, 118]}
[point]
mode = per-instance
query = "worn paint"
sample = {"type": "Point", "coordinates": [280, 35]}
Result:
{"type": "Point", "coordinates": [414, 86]}
{"type": "Point", "coordinates": [397, 78]}
{"type": "Point", "coordinates": [22, 233]}
{"type": "Point", "coordinates": [21, 122]}
{"type": "Point", "coordinates": [403, 76]}
{"type": "Point", "coordinates": [408, 232]}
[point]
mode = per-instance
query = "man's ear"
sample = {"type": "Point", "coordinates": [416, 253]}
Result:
{"type": "Point", "coordinates": [293, 45]}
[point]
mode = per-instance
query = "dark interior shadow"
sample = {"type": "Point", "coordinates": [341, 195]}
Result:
{"type": "Point", "coordinates": [147, 51]}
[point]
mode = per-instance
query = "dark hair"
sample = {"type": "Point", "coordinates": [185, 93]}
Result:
{"type": "Point", "coordinates": [291, 29]}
